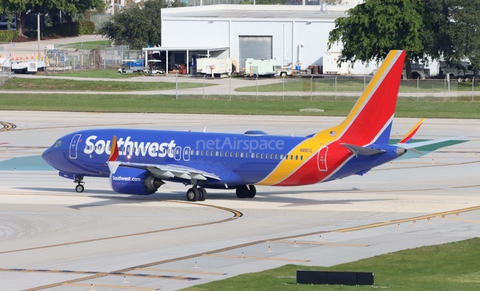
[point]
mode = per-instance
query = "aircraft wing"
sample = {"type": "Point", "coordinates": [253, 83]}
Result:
{"type": "Point", "coordinates": [423, 147]}
{"type": "Point", "coordinates": [165, 171]}
{"type": "Point", "coordinates": [169, 171]}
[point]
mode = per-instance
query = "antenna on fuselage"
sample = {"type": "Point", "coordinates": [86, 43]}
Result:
{"type": "Point", "coordinates": [205, 129]}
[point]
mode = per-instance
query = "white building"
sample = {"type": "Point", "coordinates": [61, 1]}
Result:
{"type": "Point", "coordinates": [292, 35]}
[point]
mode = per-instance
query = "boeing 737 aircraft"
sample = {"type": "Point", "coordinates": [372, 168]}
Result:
{"type": "Point", "coordinates": [140, 161]}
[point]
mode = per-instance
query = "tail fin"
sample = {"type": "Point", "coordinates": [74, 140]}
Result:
{"type": "Point", "coordinates": [408, 137]}
{"type": "Point", "coordinates": [370, 120]}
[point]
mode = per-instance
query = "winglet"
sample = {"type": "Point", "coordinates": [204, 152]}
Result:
{"type": "Point", "coordinates": [112, 160]}
{"type": "Point", "coordinates": [408, 137]}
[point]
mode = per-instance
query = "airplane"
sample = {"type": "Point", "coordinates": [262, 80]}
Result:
{"type": "Point", "coordinates": [139, 161]}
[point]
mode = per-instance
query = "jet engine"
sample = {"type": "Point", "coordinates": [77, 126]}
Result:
{"type": "Point", "coordinates": [134, 181]}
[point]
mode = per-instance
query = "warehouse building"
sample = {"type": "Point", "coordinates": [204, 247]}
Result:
{"type": "Point", "coordinates": [291, 35]}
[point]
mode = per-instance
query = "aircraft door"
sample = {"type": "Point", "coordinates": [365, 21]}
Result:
{"type": "Point", "coordinates": [178, 153]}
{"type": "Point", "coordinates": [74, 146]}
{"type": "Point", "coordinates": [322, 159]}
{"type": "Point", "coordinates": [186, 154]}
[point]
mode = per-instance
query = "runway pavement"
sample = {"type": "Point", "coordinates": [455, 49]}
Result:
{"type": "Point", "coordinates": [52, 238]}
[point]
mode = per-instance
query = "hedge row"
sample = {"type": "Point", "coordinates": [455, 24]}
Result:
{"type": "Point", "coordinates": [65, 29]}
{"type": "Point", "coordinates": [8, 35]}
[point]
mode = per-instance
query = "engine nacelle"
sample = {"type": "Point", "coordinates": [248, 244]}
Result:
{"type": "Point", "coordinates": [134, 181]}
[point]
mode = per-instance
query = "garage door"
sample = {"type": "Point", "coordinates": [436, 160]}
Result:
{"type": "Point", "coordinates": [256, 47]}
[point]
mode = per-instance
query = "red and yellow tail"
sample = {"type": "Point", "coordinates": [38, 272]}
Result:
{"type": "Point", "coordinates": [370, 119]}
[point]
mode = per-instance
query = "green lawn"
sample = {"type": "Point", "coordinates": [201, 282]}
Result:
{"type": "Point", "coordinates": [110, 74]}
{"type": "Point", "coordinates": [221, 105]}
{"type": "Point", "coordinates": [88, 45]}
{"type": "Point", "coordinates": [45, 84]}
{"type": "Point", "coordinates": [351, 84]}
{"type": "Point", "coordinates": [452, 266]}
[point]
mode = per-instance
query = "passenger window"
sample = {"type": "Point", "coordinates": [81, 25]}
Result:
{"type": "Point", "coordinates": [296, 157]}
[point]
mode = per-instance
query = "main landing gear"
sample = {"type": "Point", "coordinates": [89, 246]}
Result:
{"type": "Point", "coordinates": [246, 191]}
{"type": "Point", "coordinates": [200, 194]}
{"type": "Point", "coordinates": [196, 194]}
{"type": "Point", "coordinates": [79, 180]}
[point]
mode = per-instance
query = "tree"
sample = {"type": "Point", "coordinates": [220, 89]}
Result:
{"type": "Point", "coordinates": [375, 27]}
{"type": "Point", "coordinates": [461, 32]}
{"type": "Point", "coordinates": [69, 7]}
{"type": "Point", "coordinates": [137, 26]}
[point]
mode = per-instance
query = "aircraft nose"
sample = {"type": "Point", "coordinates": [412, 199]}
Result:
{"type": "Point", "coordinates": [54, 155]}
{"type": "Point", "coordinates": [50, 155]}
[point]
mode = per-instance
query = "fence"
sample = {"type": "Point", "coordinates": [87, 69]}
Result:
{"type": "Point", "coordinates": [324, 87]}
{"type": "Point", "coordinates": [77, 57]}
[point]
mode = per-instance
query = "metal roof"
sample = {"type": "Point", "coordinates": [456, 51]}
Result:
{"type": "Point", "coordinates": [267, 12]}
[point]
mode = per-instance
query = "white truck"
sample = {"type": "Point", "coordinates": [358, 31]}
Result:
{"type": "Point", "coordinates": [330, 65]}
{"type": "Point", "coordinates": [259, 68]}
{"type": "Point", "coordinates": [27, 67]}
{"type": "Point", "coordinates": [464, 70]}
{"type": "Point", "coordinates": [418, 71]}
{"type": "Point", "coordinates": [214, 66]}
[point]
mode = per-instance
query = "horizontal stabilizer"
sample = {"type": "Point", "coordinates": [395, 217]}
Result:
{"type": "Point", "coordinates": [421, 148]}
{"type": "Point", "coordinates": [362, 151]}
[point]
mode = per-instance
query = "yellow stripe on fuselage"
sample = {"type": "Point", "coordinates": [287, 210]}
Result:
{"type": "Point", "coordinates": [301, 154]}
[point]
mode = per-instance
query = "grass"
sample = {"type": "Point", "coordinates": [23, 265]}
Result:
{"type": "Point", "coordinates": [452, 266]}
{"type": "Point", "coordinates": [44, 84]}
{"type": "Point", "coordinates": [88, 45]}
{"type": "Point", "coordinates": [110, 74]}
{"type": "Point", "coordinates": [351, 84]}
{"type": "Point", "coordinates": [217, 105]}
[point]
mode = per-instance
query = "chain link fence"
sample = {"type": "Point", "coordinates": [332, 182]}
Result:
{"type": "Point", "coordinates": [324, 88]}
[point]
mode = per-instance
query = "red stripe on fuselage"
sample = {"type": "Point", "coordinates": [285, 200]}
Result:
{"type": "Point", "coordinates": [309, 173]}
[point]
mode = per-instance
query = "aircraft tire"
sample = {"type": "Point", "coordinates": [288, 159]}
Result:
{"type": "Point", "coordinates": [242, 191]}
{"type": "Point", "coordinates": [252, 191]}
{"type": "Point", "coordinates": [193, 194]}
{"type": "Point", "coordinates": [79, 188]}
{"type": "Point", "coordinates": [202, 194]}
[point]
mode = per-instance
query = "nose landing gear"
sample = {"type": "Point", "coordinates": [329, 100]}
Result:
{"type": "Point", "coordinates": [79, 180]}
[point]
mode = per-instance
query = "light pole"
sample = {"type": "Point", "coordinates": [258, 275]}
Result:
{"type": "Point", "coordinates": [38, 34]}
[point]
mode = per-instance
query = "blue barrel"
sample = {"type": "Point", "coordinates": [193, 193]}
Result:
{"type": "Point", "coordinates": [298, 69]}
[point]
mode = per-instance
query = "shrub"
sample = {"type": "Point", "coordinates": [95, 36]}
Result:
{"type": "Point", "coordinates": [86, 27]}
{"type": "Point", "coordinates": [8, 35]}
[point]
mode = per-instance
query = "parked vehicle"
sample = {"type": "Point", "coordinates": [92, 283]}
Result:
{"type": "Point", "coordinates": [260, 67]}
{"type": "Point", "coordinates": [214, 66]}
{"type": "Point", "coordinates": [8, 21]}
{"type": "Point", "coordinates": [283, 71]}
{"type": "Point", "coordinates": [154, 68]}
{"type": "Point", "coordinates": [131, 66]}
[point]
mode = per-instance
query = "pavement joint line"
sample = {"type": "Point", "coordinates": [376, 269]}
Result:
{"type": "Point", "coordinates": [110, 286]}
{"type": "Point", "coordinates": [319, 243]}
{"type": "Point", "coordinates": [256, 258]}
{"type": "Point", "coordinates": [463, 220]}
{"type": "Point", "coordinates": [411, 219]}
{"type": "Point", "coordinates": [101, 274]}
{"type": "Point", "coordinates": [182, 271]}
{"type": "Point", "coordinates": [236, 214]}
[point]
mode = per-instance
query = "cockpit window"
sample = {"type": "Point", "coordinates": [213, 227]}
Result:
{"type": "Point", "coordinates": [57, 143]}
